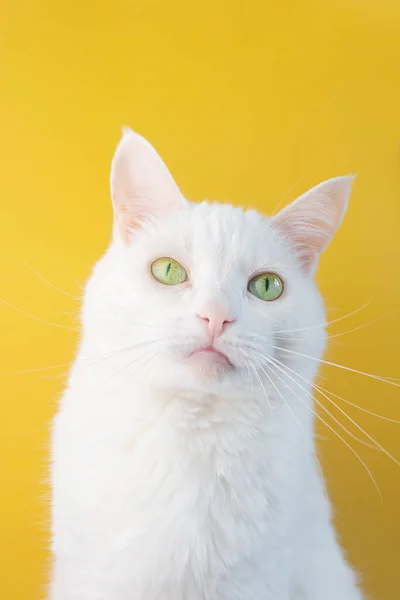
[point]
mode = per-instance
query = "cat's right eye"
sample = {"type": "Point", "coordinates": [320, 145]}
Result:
{"type": "Point", "coordinates": [266, 286]}
{"type": "Point", "coordinates": [168, 271]}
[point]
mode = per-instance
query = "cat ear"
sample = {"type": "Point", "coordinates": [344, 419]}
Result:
{"type": "Point", "coordinates": [310, 222]}
{"type": "Point", "coordinates": [141, 185]}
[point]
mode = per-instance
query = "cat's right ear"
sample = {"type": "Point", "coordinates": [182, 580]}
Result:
{"type": "Point", "coordinates": [141, 185]}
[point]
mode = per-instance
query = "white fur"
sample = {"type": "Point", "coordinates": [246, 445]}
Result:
{"type": "Point", "coordinates": [176, 478]}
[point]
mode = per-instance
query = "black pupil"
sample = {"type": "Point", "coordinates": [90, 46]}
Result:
{"type": "Point", "coordinates": [168, 268]}
{"type": "Point", "coordinates": [266, 283]}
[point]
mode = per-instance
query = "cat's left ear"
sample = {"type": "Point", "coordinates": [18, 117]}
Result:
{"type": "Point", "coordinates": [141, 184]}
{"type": "Point", "coordinates": [309, 223]}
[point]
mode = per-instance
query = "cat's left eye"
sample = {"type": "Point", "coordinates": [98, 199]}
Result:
{"type": "Point", "coordinates": [168, 271]}
{"type": "Point", "coordinates": [266, 286]}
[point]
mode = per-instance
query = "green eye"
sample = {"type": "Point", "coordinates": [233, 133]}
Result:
{"type": "Point", "coordinates": [168, 271]}
{"type": "Point", "coordinates": [266, 286]}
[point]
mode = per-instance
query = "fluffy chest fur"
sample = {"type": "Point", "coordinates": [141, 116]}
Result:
{"type": "Point", "coordinates": [180, 493]}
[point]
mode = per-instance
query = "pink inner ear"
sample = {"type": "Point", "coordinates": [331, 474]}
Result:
{"type": "Point", "coordinates": [309, 242]}
{"type": "Point", "coordinates": [126, 223]}
{"type": "Point", "coordinates": [141, 184]}
{"type": "Point", "coordinates": [309, 223]}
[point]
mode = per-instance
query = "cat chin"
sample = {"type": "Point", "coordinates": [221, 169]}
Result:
{"type": "Point", "coordinates": [201, 371]}
{"type": "Point", "coordinates": [209, 364]}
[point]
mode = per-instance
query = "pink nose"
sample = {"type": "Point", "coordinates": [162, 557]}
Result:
{"type": "Point", "coordinates": [217, 317]}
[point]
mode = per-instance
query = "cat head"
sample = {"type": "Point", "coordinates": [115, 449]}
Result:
{"type": "Point", "coordinates": [207, 295]}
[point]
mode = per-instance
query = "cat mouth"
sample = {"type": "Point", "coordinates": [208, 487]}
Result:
{"type": "Point", "coordinates": [210, 354]}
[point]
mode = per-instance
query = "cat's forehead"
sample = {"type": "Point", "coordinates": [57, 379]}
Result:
{"type": "Point", "coordinates": [221, 235]}
{"type": "Point", "coordinates": [234, 234]}
{"type": "Point", "coordinates": [223, 225]}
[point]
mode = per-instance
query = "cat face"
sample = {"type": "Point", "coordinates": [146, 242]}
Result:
{"type": "Point", "coordinates": [208, 295]}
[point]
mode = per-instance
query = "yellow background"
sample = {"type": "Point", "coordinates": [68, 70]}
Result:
{"type": "Point", "coordinates": [243, 100]}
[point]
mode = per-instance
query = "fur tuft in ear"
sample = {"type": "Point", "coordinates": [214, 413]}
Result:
{"type": "Point", "coordinates": [141, 185]}
{"type": "Point", "coordinates": [310, 222]}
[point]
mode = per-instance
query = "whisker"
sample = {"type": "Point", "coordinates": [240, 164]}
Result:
{"type": "Point", "coordinates": [377, 445]}
{"type": "Point", "coordinates": [131, 362]}
{"type": "Point", "coordinates": [332, 364]}
{"type": "Point", "coordinates": [136, 358]}
{"type": "Point", "coordinates": [25, 314]}
{"type": "Point", "coordinates": [285, 196]}
{"type": "Point", "coordinates": [72, 313]}
{"type": "Point", "coordinates": [36, 369]}
{"type": "Point", "coordinates": [334, 335]}
{"type": "Point", "coordinates": [389, 314]}
{"type": "Point", "coordinates": [94, 359]}
{"type": "Point", "coordinates": [340, 437]}
{"type": "Point", "coordinates": [63, 375]}
{"type": "Point", "coordinates": [152, 355]}
{"type": "Point", "coordinates": [107, 320]}
{"type": "Point", "coordinates": [49, 282]}
{"type": "Point", "coordinates": [123, 350]}
{"type": "Point", "coordinates": [369, 412]}
{"type": "Point", "coordinates": [248, 373]}
{"type": "Point", "coordinates": [327, 323]}
{"type": "Point", "coordinates": [308, 441]}
{"type": "Point", "coordinates": [349, 433]}
{"type": "Point", "coordinates": [262, 387]}
{"type": "Point", "coordinates": [155, 355]}
{"type": "Point", "coordinates": [361, 429]}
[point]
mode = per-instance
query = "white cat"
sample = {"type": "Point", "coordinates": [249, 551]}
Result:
{"type": "Point", "coordinates": [184, 460]}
